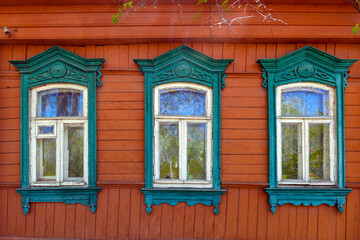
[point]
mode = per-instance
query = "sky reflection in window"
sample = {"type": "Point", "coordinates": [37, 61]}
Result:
{"type": "Point", "coordinates": [182, 101]}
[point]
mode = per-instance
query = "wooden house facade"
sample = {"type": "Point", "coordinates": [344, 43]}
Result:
{"type": "Point", "coordinates": [84, 28]}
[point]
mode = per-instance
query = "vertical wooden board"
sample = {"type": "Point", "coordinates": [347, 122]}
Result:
{"type": "Point", "coordinates": [330, 48]}
{"type": "Point", "coordinates": [253, 212]}
{"type": "Point", "coordinates": [134, 213]}
{"type": "Point", "coordinates": [155, 222]}
{"type": "Point", "coordinates": [90, 220]}
{"type": "Point", "coordinates": [5, 56]}
{"type": "Point", "coordinates": [32, 50]}
{"type": "Point", "coordinates": [352, 215]}
{"type": "Point", "coordinates": [341, 224]}
{"type": "Point", "coordinates": [153, 50]}
{"type": "Point", "coordinates": [207, 49]}
{"type": "Point", "coordinates": [99, 51]}
{"type": "Point", "coordinates": [290, 48]}
{"type": "Point", "coordinates": [292, 221]}
{"type": "Point", "coordinates": [179, 221]}
{"type": "Point", "coordinates": [232, 213]}
{"type": "Point", "coordinates": [49, 225]}
{"type": "Point", "coordinates": [124, 214]}
{"type": "Point", "coordinates": [90, 51]}
{"type": "Point", "coordinates": [59, 220]}
{"type": "Point", "coordinates": [167, 213]}
{"type": "Point", "coordinates": [123, 57]}
{"type": "Point", "coordinates": [101, 214]}
{"type": "Point", "coordinates": [219, 226]}
{"type": "Point", "coordinates": [113, 214]}
{"type": "Point", "coordinates": [80, 221]}
{"type": "Point", "coordinates": [40, 217]}
{"type": "Point", "coordinates": [189, 222]}
{"type": "Point", "coordinates": [133, 54]}
{"type": "Point", "coordinates": [281, 49]}
{"type": "Point", "coordinates": [323, 222]}
{"type": "Point", "coordinates": [199, 221]}
{"type": "Point", "coordinates": [18, 53]}
{"type": "Point", "coordinates": [30, 221]}
{"type": "Point", "coordinates": [111, 54]}
{"type": "Point", "coordinates": [283, 212]}
{"type": "Point", "coordinates": [217, 50]}
{"type": "Point", "coordinates": [228, 53]}
{"type": "Point", "coordinates": [322, 47]}
{"type": "Point", "coordinates": [197, 46]}
{"type": "Point", "coordinates": [354, 53]}
{"type": "Point", "coordinates": [342, 50]}
{"type": "Point", "coordinates": [4, 211]}
{"type": "Point", "coordinates": [70, 221]}
{"type": "Point", "coordinates": [273, 224]}
{"type": "Point", "coordinates": [175, 45]}
{"type": "Point", "coordinates": [81, 51]}
{"type": "Point", "coordinates": [243, 213]}
{"type": "Point", "coordinates": [301, 223]}
{"type": "Point", "coordinates": [209, 223]}
{"type": "Point", "coordinates": [251, 64]}
{"type": "Point", "coordinates": [332, 211]}
{"type": "Point", "coordinates": [144, 219]}
{"type": "Point", "coordinates": [11, 219]}
{"type": "Point", "coordinates": [313, 216]}
{"type": "Point", "coordinates": [239, 57]}
{"type": "Point", "coordinates": [20, 218]}
{"type": "Point", "coordinates": [260, 53]}
{"type": "Point", "coordinates": [270, 50]}
{"type": "Point", "coordinates": [143, 51]}
{"type": "Point", "coordinates": [300, 45]}
{"type": "Point", "coordinates": [69, 48]}
{"type": "Point", "coordinates": [163, 48]}
{"type": "Point", "coordinates": [262, 215]}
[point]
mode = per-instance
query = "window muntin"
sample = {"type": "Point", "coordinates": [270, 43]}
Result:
{"type": "Point", "coordinates": [59, 135]}
{"type": "Point", "coordinates": [305, 131]}
{"type": "Point", "coordinates": [183, 124]}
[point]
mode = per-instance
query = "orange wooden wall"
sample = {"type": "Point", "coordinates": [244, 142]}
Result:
{"type": "Point", "coordinates": [244, 210]}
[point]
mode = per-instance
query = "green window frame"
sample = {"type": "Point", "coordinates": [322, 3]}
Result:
{"type": "Point", "coordinates": [190, 68]}
{"type": "Point", "coordinates": [59, 68]}
{"type": "Point", "coordinates": [307, 67]}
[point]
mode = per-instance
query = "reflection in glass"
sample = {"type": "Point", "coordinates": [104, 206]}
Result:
{"type": "Point", "coordinates": [291, 151]}
{"type": "Point", "coordinates": [196, 141]}
{"type": "Point", "coordinates": [46, 130]}
{"type": "Point", "coordinates": [59, 103]}
{"type": "Point", "coordinates": [182, 101]}
{"type": "Point", "coordinates": [169, 150]}
{"type": "Point", "coordinates": [46, 159]}
{"type": "Point", "coordinates": [319, 155]}
{"type": "Point", "coordinates": [304, 101]}
{"type": "Point", "coordinates": [75, 148]}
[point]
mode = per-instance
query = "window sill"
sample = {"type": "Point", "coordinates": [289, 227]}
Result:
{"type": "Point", "coordinates": [307, 196]}
{"type": "Point", "coordinates": [191, 196]}
{"type": "Point", "coordinates": [67, 195]}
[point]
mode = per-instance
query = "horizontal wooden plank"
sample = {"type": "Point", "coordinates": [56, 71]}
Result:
{"type": "Point", "coordinates": [9, 158]}
{"type": "Point", "coordinates": [10, 170]}
{"type": "Point", "coordinates": [244, 159]}
{"type": "Point", "coordinates": [121, 177]}
{"type": "Point", "coordinates": [120, 114]}
{"type": "Point", "coordinates": [10, 147]}
{"type": "Point", "coordinates": [244, 178]}
{"type": "Point", "coordinates": [244, 146]}
{"type": "Point", "coordinates": [11, 135]}
{"type": "Point", "coordinates": [10, 113]}
{"type": "Point", "coordinates": [10, 102]}
{"type": "Point", "coordinates": [124, 105]}
{"type": "Point", "coordinates": [121, 156]}
{"type": "Point", "coordinates": [119, 125]}
{"type": "Point", "coordinates": [244, 169]}
{"type": "Point", "coordinates": [118, 168]}
{"type": "Point", "coordinates": [244, 113]}
{"type": "Point", "coordinates": [115, 135]}
{"type": "Point", "coordinates": [227, 134]}
{"type": "Point", "coordinates": [243, 102]}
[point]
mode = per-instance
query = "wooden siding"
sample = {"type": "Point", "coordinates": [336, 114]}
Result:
{"type": "Point", "coordinates": [244, 210]}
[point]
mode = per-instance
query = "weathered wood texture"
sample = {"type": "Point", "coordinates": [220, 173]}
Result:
{"type": "Point", "coordinates": [92, 24]}
{"type": "Point", "coordinates": [244, 211]}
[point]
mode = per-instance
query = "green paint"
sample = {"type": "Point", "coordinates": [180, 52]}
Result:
{"type": "Point", "coordinates": [204, 71]}
{"type": "Point", "coordinates": [45, 68]}
{"type": "Point", "coordinates": [307, 64]}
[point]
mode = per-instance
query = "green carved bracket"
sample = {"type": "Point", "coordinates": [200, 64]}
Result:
{"type": "Point", "coordinates": [307, 64]}
{"type": "Point", "coordinates": [57, 65]}
{"type": "Point", "coordinates": [183, 64]}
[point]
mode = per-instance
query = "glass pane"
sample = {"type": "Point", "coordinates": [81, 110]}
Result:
{"type": "Point", "coordinates": [196, 151]}
{"type": "Point", "coordinates": [182, 101]}
{"type": "Point", "coordinates": [75, 148]}
{"type": "Point", "coordinates": [46, 159]}
{"type": "Point", "coordinates": [169, 150]}
{"type": "Point", "coordinates": [291, 151]}
{"type": "Point", "coordinates": [46, 130]}
{"type": "Point", "coordinates": [319, 148]}
{"type": "Point", "coordinates": [304, 101]}
{"type": "Point", "coordinates": [59, 103]}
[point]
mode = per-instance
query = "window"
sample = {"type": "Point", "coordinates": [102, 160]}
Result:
{"type": "Point", "coordinates": [306, 128]}
{"type": "Point", "coordinates": [182, 128]}
{"type": "Point", "coordinates": [58, 148]}
{"type": "Point", "coordinates": [183, 123]}
{"type": "Point", "coordinates": [58, 128]}
{"type": "Point", "coordinates": [305, 132]}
